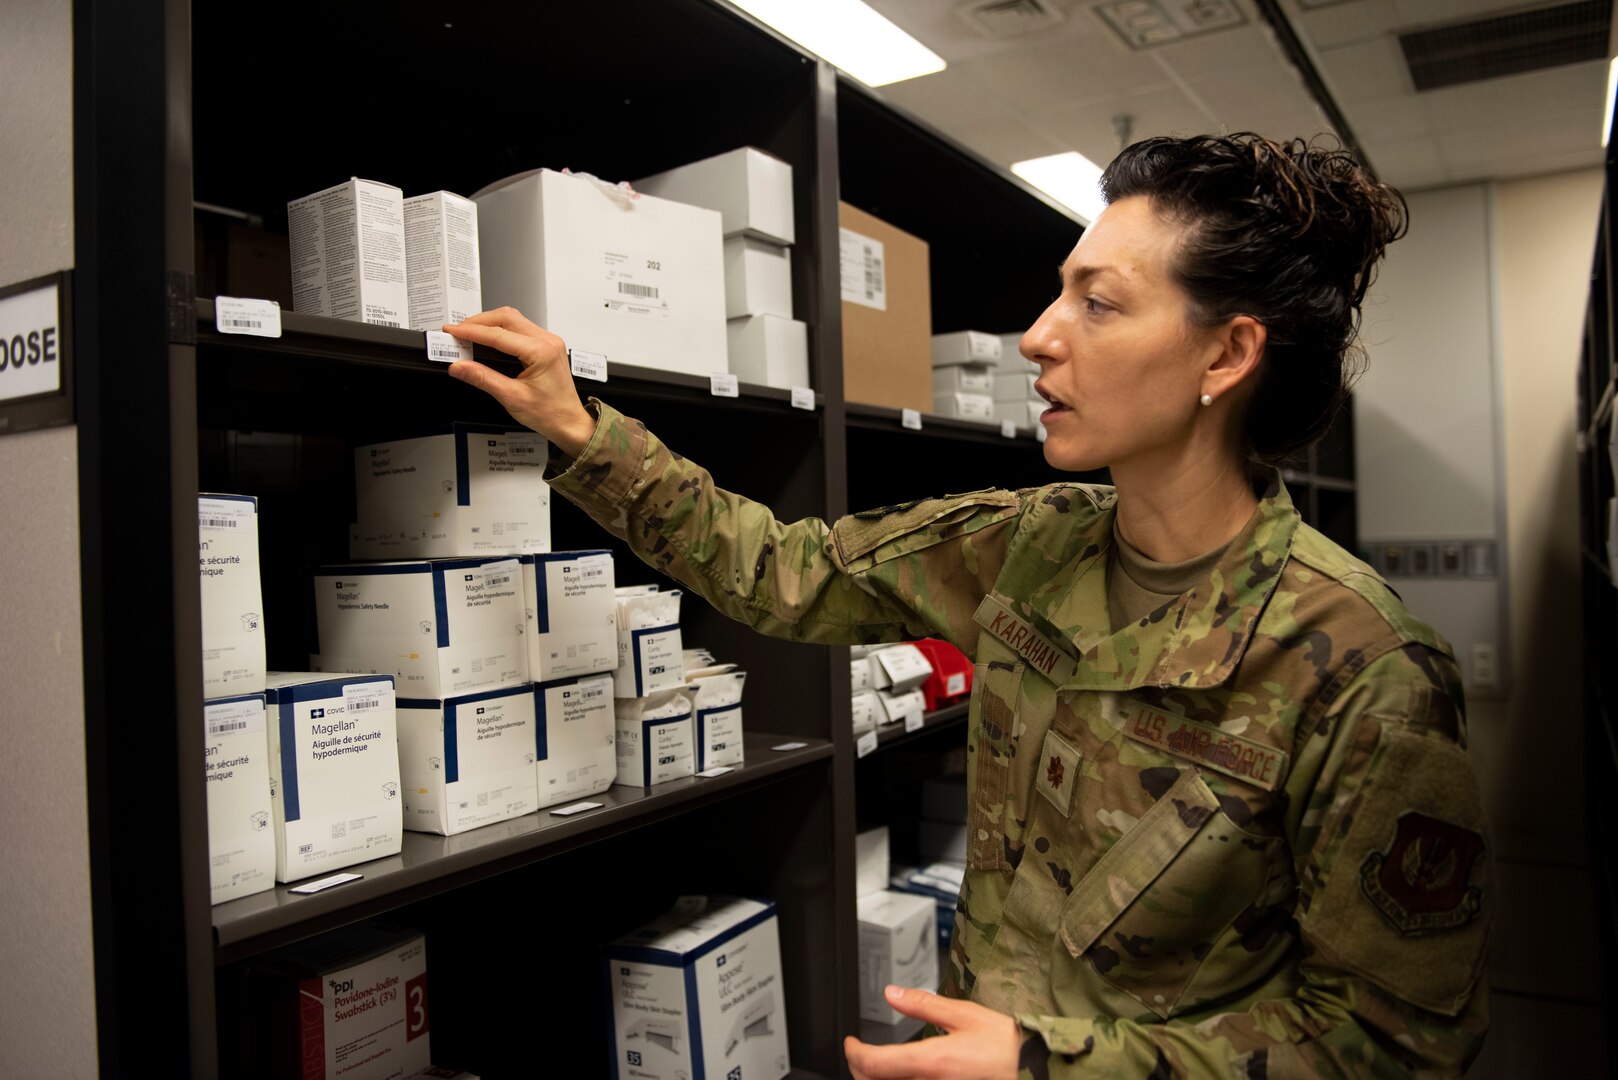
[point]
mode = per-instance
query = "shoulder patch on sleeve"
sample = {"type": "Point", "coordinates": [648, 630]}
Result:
{"type": "Point", "coordinates": [1408, 893]}
{"type": "Point", "coordinates": [873, 536]}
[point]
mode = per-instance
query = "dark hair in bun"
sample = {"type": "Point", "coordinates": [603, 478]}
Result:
{"type": "Point", "coordinates": [1288, 233]}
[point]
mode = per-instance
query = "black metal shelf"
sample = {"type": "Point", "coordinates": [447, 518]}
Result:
{"type": "Point", "coordinates": [889, 735]}
{"type": "Point", "coordinates": [882, 418]}
{"type": "Point", "coordinates": [431, 864]}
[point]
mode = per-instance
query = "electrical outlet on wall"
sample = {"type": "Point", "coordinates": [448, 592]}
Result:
{"type": "Point", "coordinates": [1484, 675]}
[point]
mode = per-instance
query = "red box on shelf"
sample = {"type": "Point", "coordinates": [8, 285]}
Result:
{"type": "Point", "coordinates": [951, 680]}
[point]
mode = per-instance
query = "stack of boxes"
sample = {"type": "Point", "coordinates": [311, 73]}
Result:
{"type": "Point", "coordinates": [752, 191]}
{"type": "Point", "coordinates": [655, 726]}
{"type": "Point", "coordinates": [1014, 396]}
{"type": "Point", "coordinates": [898, 936]}
{"type": "Point", "coordinates": [886, 681]}
{"type": "Point", "coordinates": [964, 365]}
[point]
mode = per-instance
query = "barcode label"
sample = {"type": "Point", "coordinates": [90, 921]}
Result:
{"type": "Point", "coordinates": [255, 318]}
{"type": "Point", "coordinates": [387, 322]}
{"type": "Point", "coordinates": [593, 572]}
{"type": "Point", "coordinates": [217, 523]}
{"type": "Point", "coordinates": [1008, 429]}
{"type": "Point", "coordinates": [498, 574]}
{"type": "Point", "coordinates": [723, 384]}
{"type": "Point", "coordinates": [365, 703]}
{"type": "Point", "coordinates": [910, 418]}
{"type": "Point", "coordinates": [644, 292]}
{"type": "Point", "coordinates": [445, 349]}
{"type": "Point", "coordinates": [863, 270]}
{"type": "Point", "coordinates": [913, 721]}
{"type": "Point", "coordinates": [233, 717]}
{"type": "Point", "coordinates": [223, 513]}
{"type": "Point", "coordinates": [589, 693]}
{"type": "Point", "coordinates": [325, 883]}
{"type": "Point", "coordinates": [359, 697]}
{"type": "Point", "coordinates": [492, 580]}
{"type": "Point", "coordinates": [803, 398]}
{"type": "Point", "coordinates": [587, 365]}
{"type": "Point", "coordinates": [865, 744]}
{"type": "Point", "coordinates": [576, 808]}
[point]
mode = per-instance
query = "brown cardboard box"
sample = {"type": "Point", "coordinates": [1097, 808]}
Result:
{"type": "Point", "coordinates": [887, 354]}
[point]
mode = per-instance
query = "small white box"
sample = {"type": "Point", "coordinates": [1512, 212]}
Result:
{"type": "Point", "coordinates": [899, 668]}
{"type": "Point", "coordinates": [871, 863]}
{"type": "Point", "coordinates": [859, 674]}
{"type": "Point", "coordinates": [1021, 413]}
{"type": "Point", "coordinates": [651, 657]}
{"type": "Point", "coordinates": [965, 347]}
{"type": "Point", "coordinates": [474, 490]}
{"type": "Point", "coordinates": [1015, 386]}
{"type": "Point", "coordinates": [716, 709]}
{"type": "Point", "coordinates": [942, 841]}
{"type": "Point", "coordinates": [232, 600]}
{"type": "Point", "coordinates": [571, 614]}
{"type": "Point", "coordinates": [758, 278]}
{"type": "Point", "coordinates": [769, 351]}
{"type": "Point", "coordinates": [334, 771]}
{"type": "Point", "coordinates": [964, 406]}
{"type": "Point", "coordinates": [697, 994]}
{"type": "Point", "coordinates": [467, 761]}
{"type": "Point", "coordinates": [868, 711]}
{"type": "Point", "coordinates": [441, 259]}
{"type": "Point", "coordinates": [350, 1004]}
{"type": "Point", "coordinates": [751, 190]}
{"type": "Point", "coordinates": [577, 738]}
{"type": "Point", "coordinates": [348, 253]}
{"type": "Point", "coordinates": [241, 837]}
{"type": "Point", "coordinates": [963, 379]}
{"type": "Point", "coordinates": [898, 947]}
{"type": "Point", "coordinates": [445, 628]}
{"type": "Point", "coordinates": [655, 739]}
{"type": "Point", "coordinates": [1011, 357]}
{"type": "Point", "coordinates": [636, 279]}
{"type": "Point", "coordinates": [902, 707]}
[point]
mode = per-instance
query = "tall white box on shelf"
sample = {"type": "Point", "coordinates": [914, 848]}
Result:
{"type": "Point", "coordinates": [467, 761]}
{"type": "Point", "coordinates": [348, 253]}
{"type": "Point", "coordinates": [232, 599]}
{"type": "Point", "coordinates": [637, 279]}
{"type": "Point", "coordinates": [651, 657]}
{"type": "Point", "coordinates": [334, 771]}
{"type": "Point", "coordinates": [441, 259]}
{"type": "Point", "coordinates": [577, 735]}
{"type": "Point", "coordinates": [655, 740]}
{"type": "Point", "coordinates": [241, 837]}
{"type": "Point", "coordinates": [716, 712]}
{"type": "Point", "coordinates": [758, 278]}
{"type": "Point", "coordinates": [751, 189]}
{"type": "Point", "coordinates": [349, 1004]}
{"type": "Point", "coordinates": [697, 994]}
{"type": "Point", "coordinates": [444, 628]}
{"type": "Point", "coordinates": [898, 947]}
{"type": "Point", "coordinates": [769, 351]}
{"type": "Point", "coordinates": [571, 614]}
{"type": "Point", "coordinates": [474, 490]}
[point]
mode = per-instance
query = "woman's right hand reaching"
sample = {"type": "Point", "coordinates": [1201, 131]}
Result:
{"type": "Point", "coordinates": [542, 396]}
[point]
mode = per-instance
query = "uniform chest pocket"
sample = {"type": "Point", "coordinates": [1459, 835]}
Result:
{"type": "Point", "coordinates": [1157, 903]}
{"type": "Point", "coordinates": [996, 685]}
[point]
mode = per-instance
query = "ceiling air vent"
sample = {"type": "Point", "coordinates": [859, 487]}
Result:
{"type": "Point", "coordinates": [1146, 24]}
{"type": "Point", "coordinates": [1545, 37]}
{"type": "Point", "coordinates": [1009, 18]}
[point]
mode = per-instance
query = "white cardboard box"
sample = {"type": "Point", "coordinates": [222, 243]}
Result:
{"type": "Point", "coordinates": [898, 947]}
{"type": "Point", "coordinates": [232, 600]}
{"type": "Point", "coordinates": [467, 761]}
{"type": "Point", "coordinates": [236, 764]}
{"type": "Point", "coordinates": [966, 347]}
{"type": "Point", "coordinates": [348, 253]}
{"type": "Point", "coordinates": [334, 771]}
{"type": "Point", "coordinates": [1015, 386]}
{"type": "Point", "coordinates": [963, 379]}
{"type": "Point", "coordinates": [577, 738]}
{"type": "Point", "coordinates": [1021, 413]}
{"type": "Point", "coordinates": [868, 711]}
{"type": "Point", "coordinates": [1011, 357]}
{"type": "Point", "coordinates": [899, 668]}
{"type": "Point", "coordinates": [751, 190]}
{"type": "Point", "coordinates": [441, 259]}
{"type": "Point", "coordinates": [571, 614]}
{"type": "Point", "coordinates": [350, 1004]}
{"type": "Point", "coordinates": [965, 406]}
{"type": "Point", "coordinates": [871, 863]}
{"type": "Point", "coordinates": [651, 656]}
{"type": "Point", "coordinates": [716, 709]}
{"type": "Point", "coordinates": [898, 708]}
{"type": "Point", "coordinates": [697, 994]}
{"type": "Point", "coordinates": [758, 278]}
{"type": "Point", "coordinates": [444, 628]}
{"type": "Point", "coordinates": [636, 279]}
{"type": "Point", "coordinates": [656, 742]}
{"type": "Point", "coordinates": [474, 490]}
{"type": "Point", "coordinates": [769, 350]}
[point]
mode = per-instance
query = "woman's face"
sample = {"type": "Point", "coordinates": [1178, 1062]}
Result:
{"type": "Point", "coordinates": [1120, 360]}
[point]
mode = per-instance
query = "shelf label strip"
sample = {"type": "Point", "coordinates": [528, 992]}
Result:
{"type": "Point", "coordinates": [325, 883]}
{"type": "Point", "coordinates": [255, 318]}
{"type": "Point", "coordinates": [445, 349]}
{"type": "Point", "coordinates": [587, 365]}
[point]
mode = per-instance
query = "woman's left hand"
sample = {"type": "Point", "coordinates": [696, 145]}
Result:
{"type": "Point", "coordinates": [978, 1044]}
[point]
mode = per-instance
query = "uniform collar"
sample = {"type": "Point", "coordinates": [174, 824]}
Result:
{"type": "Point", "coordinates": [1194, 641]}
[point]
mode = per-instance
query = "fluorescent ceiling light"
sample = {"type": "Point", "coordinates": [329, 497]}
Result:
{"type": "Point", "coordinates": [850, 35]}
{"type": "Point", "coordinates": [1071, 179]}
{"type": "Point", "coordinates": [1612, 89]}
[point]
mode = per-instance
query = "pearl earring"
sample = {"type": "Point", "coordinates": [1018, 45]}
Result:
{"type": "Point", "coordinates": [1207, 399]}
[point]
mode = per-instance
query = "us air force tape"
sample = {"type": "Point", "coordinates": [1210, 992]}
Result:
{"type": "Point", "coordinates": [1248, 761]}
{"type": "Point", "coordinates": [1041, 653]}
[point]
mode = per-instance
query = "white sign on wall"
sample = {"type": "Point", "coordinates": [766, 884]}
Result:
{"type": "Point", "coordinates": [31, 343]}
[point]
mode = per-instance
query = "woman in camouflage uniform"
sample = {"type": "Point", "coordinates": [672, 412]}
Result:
{"type": "Point", "coordinates": [1221, 817]}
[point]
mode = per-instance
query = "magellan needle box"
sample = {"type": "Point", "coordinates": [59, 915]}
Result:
{"type": "Point", "coordinates": [572, 615]}
{"type": "Point", "coordinates": [241, 837]}
{"type": "Point", "coordinates": [577, 738]}
{"type": "Point", "coordinates": [467, 761]}
{"type": "Point", "coordinates": [232, 600]}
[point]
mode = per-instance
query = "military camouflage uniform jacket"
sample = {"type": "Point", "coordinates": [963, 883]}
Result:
{"type": "Point", "coordinates": [1238, 838]}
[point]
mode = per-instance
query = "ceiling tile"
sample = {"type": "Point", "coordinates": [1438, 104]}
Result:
{"type": "Point", "coordinates": [1401, 117]}
{"type": "Point", "coordinates": [1530, 96]}
{"type": "Point", "coordinates": [1365, 71]}
{"type": "Point", "coordinates": [1395, 160]}
{"type": "Point", "coordinates": [1477, 148]}
{"type": "Point", "coordinates": [1009, 140]}
{"type": "Point", "coordinates": [1342, 24]}
{"type": "Point", "coordinates": [1539, 164]}
{"type": "Point", "coordinates": [1218, 54]}
{"type": "Point", "coordinates": [1258, 90]}
{"type": "Point", "coordinates": [952, 96]}
{"type": "Point", "coordinates": [1089, 129]}
{"type": "Point", "coordinates": [1069, 72]}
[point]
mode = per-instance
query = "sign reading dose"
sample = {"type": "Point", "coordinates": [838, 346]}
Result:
{"type": "Point", "coordinates": [31, 342]}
